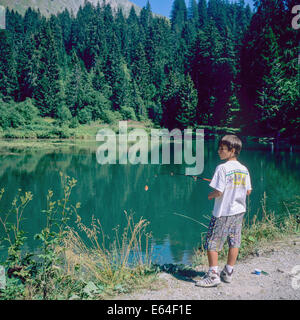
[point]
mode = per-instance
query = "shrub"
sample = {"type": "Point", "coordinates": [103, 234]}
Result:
{"type": "Point", "coordinates": [100, 103]}
{"type": "Point", "coordinates": [4, 114]}
{"type": "Point", "coordinates": [16, 120]}
{"type": "Point", "coordinates": [110, 117]}
{"type": "Point", "coordinates": [17, 115]}
{"type": "Point", "coordinates": [45, 134]}
{"type": "Point", "coordinates": [61, 132]}
{"type": "Point", "coordinates": [64, 114]}
{"type": "Point", "coordinates": [11, 133]}
{"type": "Point", "coordinates": [27, 110]}
{"type": "Point", "coordinates": [127, 113]}
{"type": "Point", "coordinates": [84, 116]}
{"type": "Point", "coordinates": [74, 123]}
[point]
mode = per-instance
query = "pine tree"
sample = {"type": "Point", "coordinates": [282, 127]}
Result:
{"type": "Point", "coordinates": [8, 78]}
{"type": "Point", "coordinates": [233, 108]}
{"type": "Point", "coordinates": [217, 10]}
{"type": "Point", "coordinates": [205, 71]}
{"type": "Point", "coordinates": [272, 116]}
{"type": "Point", "coordinates": [266, 42]}
{"type": "Point", "coordinates": [137, 102]}
{"type": "Point", "coordinates": [225, 79]}
{"type": "Point", "coordinates": [56, 31]}
{"type": "Point", "coordinates": [31, 21]}
{"type": "Point", "coordinates": [171, 100]}
{"type": "Point", "coordinates": [135, 35]}
{"type": "Point", "coordinates": [14, 25]}
{"type": "Point", "coordinates": [65, 21]}
{"type": "Point", "coordinates": [242, 20]}
{"type": "Point", "coordinates": [202, 12]}
{"type": "Point", "coordinates": [99, 82]}
{"type": "Point", "coordinates": [193, 12]}
{"type": "Point", "coordinates": [47, 86]}
{"type": "Point", "coordinates": [74, 90]}
{"type": "Point", "coordinates": [140, 69]}
{"type": "Point", "coordinates": [178, 15]}
{"type": "Point", "coordinates": [146, 16]}
{"type": "Point", "coordinates": [122, 31]}
{"type": "Point", "coordinates": [92, 49]}
{"type": "Point", "coordinates": [186, 113]}
{"type": "Point", "coordinates": [88, 110]}
{"type": "Point", "coordinates": [26, 68]}
{"type": "Point", "coordinates": [118, 77]}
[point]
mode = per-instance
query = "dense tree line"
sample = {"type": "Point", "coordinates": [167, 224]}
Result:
{"type": "Point", "coordinates": [213, 63]}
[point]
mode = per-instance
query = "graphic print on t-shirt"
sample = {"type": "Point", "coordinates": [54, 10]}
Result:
{"type": "Point", "coordinates": [237, 178]}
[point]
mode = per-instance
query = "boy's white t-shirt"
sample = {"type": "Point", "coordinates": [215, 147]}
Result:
{"type": "Point", "coordinates": [233, 180]}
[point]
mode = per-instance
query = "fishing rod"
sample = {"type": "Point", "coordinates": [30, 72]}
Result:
{"type": "Point", "coordinates": [194, 177]}
{"type": "Point", "coordinates": [181, 174]}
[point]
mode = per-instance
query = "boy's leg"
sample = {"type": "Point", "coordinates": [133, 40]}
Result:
{"type": "Point", "coordinates": [234, 238]}
{"type": "Point", "coordinates": [214, 241]}
{"type": "Point", "coordinates": [215, 238]}
{"type": "Point", "coordinates": [226, 273]}
{"type": "Point", "coordinates": [232, 256]}
{"type": "Point", "coordinates": [234, 241]}
{"type": "Point", "coordinates": [212, 258]}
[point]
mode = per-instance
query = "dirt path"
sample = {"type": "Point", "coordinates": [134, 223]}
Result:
{"type": "Point", "coordinates": [282, 282]}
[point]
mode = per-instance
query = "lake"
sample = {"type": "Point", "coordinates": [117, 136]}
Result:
{"type": "Point", "coordinates": [105, 191]}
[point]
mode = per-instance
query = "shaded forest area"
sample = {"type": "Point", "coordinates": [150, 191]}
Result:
{"type": "Point", "coordinates": [213, 64]}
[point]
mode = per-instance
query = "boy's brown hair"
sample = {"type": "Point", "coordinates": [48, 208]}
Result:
{"type": "Point", "coordinates": [232, 141]}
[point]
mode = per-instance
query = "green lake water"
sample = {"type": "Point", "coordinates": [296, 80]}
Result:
{"type": "Point", "coordinates": [105, 191]}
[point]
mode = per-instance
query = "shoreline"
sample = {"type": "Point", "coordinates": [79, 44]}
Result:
{"type": "Point", "coordinates": [280, 259]}
{"type": "Point", "coordinates": [87, 134]}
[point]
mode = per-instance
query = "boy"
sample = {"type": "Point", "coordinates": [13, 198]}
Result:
{"type": "Point", "coordinates": [231, 184]}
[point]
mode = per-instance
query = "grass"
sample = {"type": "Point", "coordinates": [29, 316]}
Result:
{"type": "Point", "coordinates": [47, 129]}
{"type": "Point", "coordinates": [121, 264]}
{"type": "Point", "coordinates": [77, 262]}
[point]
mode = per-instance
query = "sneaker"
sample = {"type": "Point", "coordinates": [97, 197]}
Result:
{"type": "Point", "coordinates": [211, 279]}
{"type": "Point", "coordinates": [225, 275]}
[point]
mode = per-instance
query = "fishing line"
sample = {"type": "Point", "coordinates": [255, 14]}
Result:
{"type": "Point", "coordinates": [185, 175]}
{"type": "Point", "coordinates": [187, 217]}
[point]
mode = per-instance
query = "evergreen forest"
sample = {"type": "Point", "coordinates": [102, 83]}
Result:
{"type": "Point", "coordinates": [213, 64]}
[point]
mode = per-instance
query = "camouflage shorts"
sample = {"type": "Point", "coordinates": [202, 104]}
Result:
{"type": "Point", "coordinates": [224, 228]}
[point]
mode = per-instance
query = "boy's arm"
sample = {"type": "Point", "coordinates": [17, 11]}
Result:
{"type": "Point", "coordinates": [218, 183]}
{"type": "Point", "coordinates": [248, 185]}
{"type": "Point", "coordinates": [214, 194]}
